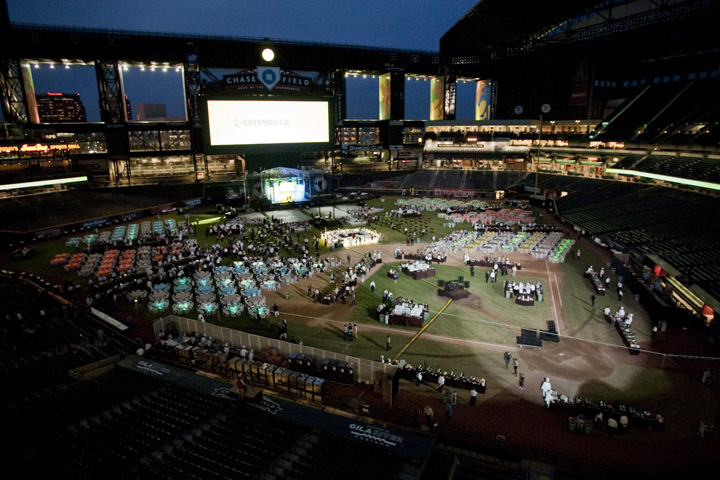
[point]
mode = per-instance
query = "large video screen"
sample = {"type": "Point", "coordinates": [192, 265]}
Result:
{"type": "Point", "coordinates": [267, 122]}
{"type": "Point", "coordinates": [286, 190]}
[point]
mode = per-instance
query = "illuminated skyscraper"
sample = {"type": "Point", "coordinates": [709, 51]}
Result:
{"type": "Point", "coordinates": [60, 107]}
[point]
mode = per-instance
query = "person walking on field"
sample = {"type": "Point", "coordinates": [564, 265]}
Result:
{"type": "Point", "coordinates": [515, 366]}
{"type": "Point", "coordinates": [388, 345]}
{"type": "Point", "coordinates": [473, 396]}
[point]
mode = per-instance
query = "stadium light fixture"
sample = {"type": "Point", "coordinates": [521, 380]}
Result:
{"type": "Point", "coordinates": [43, 183]}
{"type": "Point", "coordinates": [268, 54]}
{"type": "Point", "coordinates": [665, 178]}
{"type": "Point", "coordinates": [209, 220]}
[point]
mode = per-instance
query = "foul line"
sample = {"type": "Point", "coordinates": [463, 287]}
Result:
{"type": "Point", "coordinates": [557, 285]}
{"type": "Point", "coordinates": [552, 294]}
{"type": "Point", "coordinates": [417, 335]}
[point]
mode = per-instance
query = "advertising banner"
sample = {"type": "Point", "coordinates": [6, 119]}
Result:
{"type": "Point", "coordinates": [131, 216]}
{"type": "Point", "coordinates": [437, 98]}
{"type": "Point", "coordinates": [483, 100]}
{"type": "Point", "coordinates": [580, 85]}
{"type": "Point", "coordinates": [362, 148]}
{"type": "Point", "coordinates": [579, 94]}
{"type": "Point", "coordinates": [50, 233]}
{"type": "Point", "coordinates": [29, 90]}
{"type": "Point", "coordinates": [263, 79]}
{"type": "Point", "coordinates": [450, 96]}
{"type": "Point", "coordinates": [95, 223]}
{"type": "Point", "coordinates": [453, 192]}
{"type": "Point", "coordinates": [384, 90]}
{"type": "Point", "coordinates": [161, 209]}
{"type": "Point", "coordinates": [393, 442]}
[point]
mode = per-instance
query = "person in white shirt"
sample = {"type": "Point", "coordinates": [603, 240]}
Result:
{"type": "Point", "coordinates": [548, 400]}
{"type": "Point", "coordinates": [441, 383]}
{"type": "Point", "coordinates": [612, 425]}
{"type": "Point", "coordinates": [545, 388]}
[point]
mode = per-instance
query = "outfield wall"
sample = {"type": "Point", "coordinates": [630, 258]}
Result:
{"type": "Point", "coordinates": [366, 371]}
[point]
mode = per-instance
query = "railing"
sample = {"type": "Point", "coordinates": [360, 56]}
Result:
{"type": "Point", "coordinates": [365, 370]}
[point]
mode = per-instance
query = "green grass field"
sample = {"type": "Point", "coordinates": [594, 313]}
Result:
{"type": "Point", "coordinates": [487, 317]}
{"type": "Point", "coordinates": [470, 336]}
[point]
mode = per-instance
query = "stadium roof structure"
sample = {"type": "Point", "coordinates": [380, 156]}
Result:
{"type": "Point", "coordinates": [496, 23]}
{"type": "Point", "coordinates": [40, 43]}
{"type": "Point", "coordinates": [498, 29]}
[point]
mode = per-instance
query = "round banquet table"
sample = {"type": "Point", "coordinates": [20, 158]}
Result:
{"type": "Point", "coordinates": [233, 310]}
{"type": "Point", "coordinates": [158, 306]}
{"type": "Point", "coordinates": [208, 307]}
{"type": "Point", "coordinates": [230, 299]}
{"type": "Point", "coordinates": [182, 297]}
{"type": "Point", "coordinates": [228, 290]}
{"type": "Point", "coordinates": [250, 292]}
{"type": "Point", "coordinates": [183, 307]}
{"type": "Point", "coordinates": [255, 301]}
{"type": "Point", "coordinates": [157, 296]}
{"type": "Point", "coordinates": [136, 295]}
{"type": "Point", "coordinates": [206, 297]}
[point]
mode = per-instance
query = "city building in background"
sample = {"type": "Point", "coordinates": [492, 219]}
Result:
{"type": "Point", "coordinates": [151, 111]}
{"type": "Point", "coordinates": [60, 107]}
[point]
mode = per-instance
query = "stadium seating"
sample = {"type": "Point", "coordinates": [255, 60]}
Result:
{"type": "Point", "coordinates": [680, 226]}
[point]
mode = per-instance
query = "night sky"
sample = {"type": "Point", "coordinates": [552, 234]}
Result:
{"type": "Point", "coordinates": [403, 24]}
